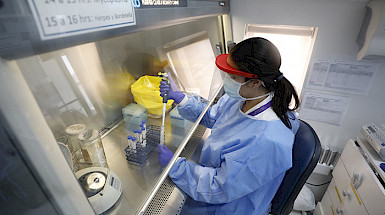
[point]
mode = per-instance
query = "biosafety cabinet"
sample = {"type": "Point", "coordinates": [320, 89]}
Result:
{"type": "Point", "coordinates": [74, 83]}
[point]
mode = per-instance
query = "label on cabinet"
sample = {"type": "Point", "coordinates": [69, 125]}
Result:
{"type": "Point", "coordinates": [62, 18]}
{"type": "Point", "coordinates": [159, 3]}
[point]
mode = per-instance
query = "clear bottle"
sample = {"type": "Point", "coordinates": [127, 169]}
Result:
{"type": "Point", "coordinates": [92, 148]}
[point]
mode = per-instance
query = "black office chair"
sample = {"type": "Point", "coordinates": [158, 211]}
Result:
{"type": "Point", "coordinates": [306, 152]}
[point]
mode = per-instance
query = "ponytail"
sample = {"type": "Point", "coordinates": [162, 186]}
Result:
{"type": "Point", "coordinates": [284, 92]}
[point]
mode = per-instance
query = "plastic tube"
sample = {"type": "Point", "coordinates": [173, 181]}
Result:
{"type": "Point", "coordinates": [136, 134]}
{"type": "Point", "coordinates": [140, 139]}
{"type": "Point", "coordinates": [134, 143]}
{"type": "Point", "coordinates": [144, 136]}
{"type": "Point", "coordinates": [129, 141]}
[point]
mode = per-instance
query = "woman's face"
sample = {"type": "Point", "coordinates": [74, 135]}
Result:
{"type": "Point", "coordinates": [237, 78]}
{"type": "Point", "coordinates": [247, 90]}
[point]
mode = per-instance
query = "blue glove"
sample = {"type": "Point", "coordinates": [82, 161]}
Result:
{"type": "Point", "coordinates": [176, 95]}
{"type": "Point", "coordinates": [164, 155]}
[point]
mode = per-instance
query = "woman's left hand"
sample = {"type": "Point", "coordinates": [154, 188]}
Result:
{"type": "Point", "coordinates": [164, 155]}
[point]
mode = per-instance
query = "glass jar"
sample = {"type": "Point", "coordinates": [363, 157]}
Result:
{"type": "Point", "coordinates": [92, 148]}
{"type": "Point", "coordinates": [73, 132]}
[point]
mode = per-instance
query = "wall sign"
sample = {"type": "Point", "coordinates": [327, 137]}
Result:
{"type": "Point", "coordinates": [61, 18]}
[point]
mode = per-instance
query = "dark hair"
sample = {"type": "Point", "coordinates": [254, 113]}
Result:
{"type": "Point", "coordinates": [261, 57]}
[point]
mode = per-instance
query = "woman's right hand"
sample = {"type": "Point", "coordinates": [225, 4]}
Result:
{"type": "Point", "coordinates": [165, 88]}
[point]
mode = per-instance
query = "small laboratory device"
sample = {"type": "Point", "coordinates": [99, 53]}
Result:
{"type": "Point", "coordinates": [101, 186]}
{"type": "Point", "coordinates": [376, 137]}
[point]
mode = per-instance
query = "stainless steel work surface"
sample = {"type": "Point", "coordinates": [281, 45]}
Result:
{"type": "Point", "coordinates": [137, 180]}
{"type": "Point", "coordinates": [170, 199]}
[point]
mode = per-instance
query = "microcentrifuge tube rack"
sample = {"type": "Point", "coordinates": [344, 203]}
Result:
{"type": "Point", "coordinates": [140, 155]}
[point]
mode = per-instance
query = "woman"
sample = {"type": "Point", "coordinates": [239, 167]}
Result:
{"type": "Point", "coordinates": [245, 158]}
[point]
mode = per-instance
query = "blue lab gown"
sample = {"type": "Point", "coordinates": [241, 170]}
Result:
{"type": "Point", "coordinates": [242, 162]}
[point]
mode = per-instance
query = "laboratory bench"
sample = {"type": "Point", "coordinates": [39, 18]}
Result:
{"type": "Point", "coordinates": [146, 188]}
{"type": "Point", "coordinates": [358, 184]}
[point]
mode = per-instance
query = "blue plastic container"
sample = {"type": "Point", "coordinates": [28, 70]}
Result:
{"type": "Point", "coordinates": [133, 115]}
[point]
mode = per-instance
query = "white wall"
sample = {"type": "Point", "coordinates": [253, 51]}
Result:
{"type": "Point", "coordinates": [338, 23]}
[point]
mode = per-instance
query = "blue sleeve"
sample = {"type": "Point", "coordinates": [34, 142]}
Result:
{"type": "Point", "coordinates": [193, 109]}
{"type": "Point", "coordinates": [241, 172]}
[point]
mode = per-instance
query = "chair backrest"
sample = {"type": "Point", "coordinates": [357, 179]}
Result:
{"type": "Point", "coordinates": [306, 152]}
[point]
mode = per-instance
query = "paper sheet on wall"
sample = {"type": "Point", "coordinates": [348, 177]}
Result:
{"type": "Point", "coordinates": [342, 76]}
{"type": "Point", "coordinates": [323, 107]}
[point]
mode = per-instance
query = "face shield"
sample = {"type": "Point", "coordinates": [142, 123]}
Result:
{"type": "Point", "coordinates": [221, 62]}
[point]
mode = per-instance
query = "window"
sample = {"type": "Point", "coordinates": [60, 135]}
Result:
{"type": "Point", "coordinates": [295, 45]}
{"type": "Point", "coordinates": [192, 62]}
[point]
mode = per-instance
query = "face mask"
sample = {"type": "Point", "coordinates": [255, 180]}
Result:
{"type": "Point", "coordinates": [232, 88]}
